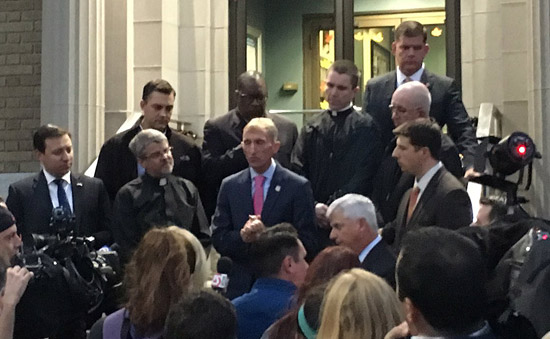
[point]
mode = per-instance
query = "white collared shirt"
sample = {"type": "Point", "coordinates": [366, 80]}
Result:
{"type": "Point", "coordinates": [268, 174]}
{"type": "Point", "coordinates": [52, 187]}
{"type": "Point", "coordinates": [415, 77]}
{"type": "Point", "coordinates": [425, 180]}
{"type": "Point", "coordinates": [484, 330]}
{"type": "Point", "coordinates": [369, 247]}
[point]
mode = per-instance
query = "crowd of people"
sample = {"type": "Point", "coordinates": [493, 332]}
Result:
{"type": "Point", "coordinates": [344, 230]}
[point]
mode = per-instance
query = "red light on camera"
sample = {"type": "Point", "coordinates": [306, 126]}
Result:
{"type": "Point", "coordinates": [521, 149]}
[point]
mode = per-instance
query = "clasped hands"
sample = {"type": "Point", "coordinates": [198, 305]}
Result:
{"type": "Point", "coordinates": [252, 229]}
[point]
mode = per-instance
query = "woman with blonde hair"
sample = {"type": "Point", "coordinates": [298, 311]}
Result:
{"type": "Point", "coordinates": [157, 276]}
{"type": "Point", "coordinates": [196, 256]}
{"type": "Point", "coordinates": [359, 304]}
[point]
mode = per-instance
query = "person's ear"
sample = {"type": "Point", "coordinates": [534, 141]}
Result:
{"type": "Point", "coordinates": [286, 265]}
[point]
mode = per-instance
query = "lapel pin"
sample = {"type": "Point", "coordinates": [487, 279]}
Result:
{"type": "Point", "coordinates": [277, 188]}
{"type": "Point", "coordinates": [79, 184]}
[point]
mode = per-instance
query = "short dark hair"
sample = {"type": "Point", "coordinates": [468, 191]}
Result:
{"type": "Point", "coordinates": [157, 85]}
{"type": "Point", "coordinates": [201, 315]}
{"type": "Point", "coordinates": [443, 274]}
{"type": "Point", "coordinates": [498, 206]}
{"type": "Point", "coordinates": [272, 247]}
{"type": "Point", "coordinates": [347, 67]}
{"type": "Point", "coordinates": [422, 132]}
{"type": "Point", "coordinates": [46, 132]}
{"type": "Point", "coordinates": [410, 29]}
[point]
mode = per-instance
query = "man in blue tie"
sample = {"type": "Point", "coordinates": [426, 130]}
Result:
{"type": "Point", "coordinates": [33, 199]}
{"type": "Point", "coordinates": [257, 197]}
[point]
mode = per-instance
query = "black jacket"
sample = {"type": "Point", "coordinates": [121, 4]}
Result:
{"type": "Point", "coordinates": [338, 154]}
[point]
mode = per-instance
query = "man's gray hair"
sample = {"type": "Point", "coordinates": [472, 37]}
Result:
{"type": "Point", "coordinates": [355, 206]}
{"type": "Point", "coordinates": [143, 139]}
{"type": "Point", "coordinates": [420, 95]}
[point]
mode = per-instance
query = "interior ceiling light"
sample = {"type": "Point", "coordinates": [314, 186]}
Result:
{"type": "Point", "coordinates": [436, 32]}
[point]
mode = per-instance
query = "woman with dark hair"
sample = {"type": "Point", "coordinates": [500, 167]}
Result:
{"type": "Point", "coordinates": [157, 276]}
{"type": "Point", "coordinates": [327, 264]}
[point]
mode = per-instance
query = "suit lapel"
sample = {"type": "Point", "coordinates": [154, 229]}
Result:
{"type": "Point", "coordinates": [427, 195]}
{"type": "Point", "coordinates": [41, 190]}
{"type": "Point", "coordinates": [245, 190]}
{"type": "Point", "coordinates": [272, 192]}
{"type": "Point", "coordinates": [77, 187]}
{"type": "Point", "coordinates": [426, 79]}
{"type": "Point", "coordinates": [390, 86]}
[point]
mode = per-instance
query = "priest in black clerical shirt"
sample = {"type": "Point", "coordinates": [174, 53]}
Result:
{"type": "Point", "coordinates": [157, 198]}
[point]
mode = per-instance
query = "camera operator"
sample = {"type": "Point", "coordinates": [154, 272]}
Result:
{"type": "Point", "coordinates": [81, 198]}
{"type": "Point", "coordinates": [13, 280]}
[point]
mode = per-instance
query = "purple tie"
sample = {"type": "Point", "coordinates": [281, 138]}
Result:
{"type": "Point", "coordinates": [258, 194]}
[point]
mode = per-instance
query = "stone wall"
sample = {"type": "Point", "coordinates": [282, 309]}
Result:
{"type": "Point", "coordinates": [20, 70]}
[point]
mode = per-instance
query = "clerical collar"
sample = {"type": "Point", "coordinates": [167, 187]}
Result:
{"type": "Point", "coordinates": [414, 77]}
{"type": "Point", "coordinates": [157, 181]}
{"type": "Point", "coordinates": [348, 109]}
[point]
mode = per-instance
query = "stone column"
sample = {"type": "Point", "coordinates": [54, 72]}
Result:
{"type": "Point", "coordinates": [73, 70]}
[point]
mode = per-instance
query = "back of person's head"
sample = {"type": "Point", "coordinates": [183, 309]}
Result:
{"type": "Point", "coordinates": [422, 133]}
{"type": "Point", "coordinates": [443, 275]}
{"type": "Point", "coordinates": [349, 68]}
{"type": "Point", "coordinates": [201, 315]}
{"type": "Point", "coordinates": [157, 275]}
{"type": "Point", "coordinates": [359, 304]}
{"type": "Point", "coordinates": [497, 205]}
{"type": "Point", "coordinates": [196, 257]}
{"type": "Point", "coordinates": [410, 29]}
{"type": "Point", "coordinates": [327, 264]}
{"type": "Point", "coordinates": [272, 247]}
{"type": "Point", "coordinates": [303, 321]}
{"type": "Point", "coordinates": [355, 206]}
{"type": "Point", "coordinates": [158, 85]}
{"type": "Point", "coordinates": [46, 132]}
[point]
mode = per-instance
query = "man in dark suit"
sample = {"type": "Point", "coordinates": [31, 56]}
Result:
{"type": "Point", "coordinates": [116, 164]}
{"type": "Point", "coordinates": [441, 280]}
{"type": "Point", "coordinates": [257, 197]}
{"type": "Point", "coordinates": [222, 150]}
{"type": "Point", "coordinates": [410, 48]}
{"type": "Point", "coordinates": [31, 200]}
{"type": "Point", "coordinates": [353, 222]}
{"type": "Point", "coordinates": [409, 102]}
{"type": "Point", "coordinates": [437, 198]}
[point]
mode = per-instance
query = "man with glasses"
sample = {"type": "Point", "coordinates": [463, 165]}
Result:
{"type": "Point", "coordinates": [409, 102]}
{"type": "Point", "coordinates": [116, 165]}
{"type": "Point", "coordinates": [409, 49]}
{"type": "Point", "coordinates": [157, 198]}
{"type": "Point", "coordinates": [222, 150]}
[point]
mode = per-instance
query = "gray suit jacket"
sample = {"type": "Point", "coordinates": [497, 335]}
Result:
{"type": "Point", "coordinates": [29, 201]}
{"type": "Point", "coordinates": [447, 109]}
{"type": "Point", "coordinates": [444, 203]}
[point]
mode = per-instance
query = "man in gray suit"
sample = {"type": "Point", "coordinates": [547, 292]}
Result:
{"type": "Point", "coordinates": [260, 196]}
{"type": "Point", "coordinates": [410, 48]}
{"type": "Point", "coordinates": [437, 197]}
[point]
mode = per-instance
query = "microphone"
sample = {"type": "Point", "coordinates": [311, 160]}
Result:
{"type": "Point", "coordinates": [221, 279]}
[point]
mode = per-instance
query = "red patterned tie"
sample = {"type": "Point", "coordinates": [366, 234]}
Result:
{"type": "Point", "coordinates": [412, 202]}
{"type": "Point", "coordinates": [258, 194]}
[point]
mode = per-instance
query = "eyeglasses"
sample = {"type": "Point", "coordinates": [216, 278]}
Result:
{"type": "Point", "coordinates": [160, 154]}
{"type": "Point", "coordinates": [252, 97]}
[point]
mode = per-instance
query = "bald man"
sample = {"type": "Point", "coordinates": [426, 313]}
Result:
{"type": "Point", "coordinates": [410, 101]}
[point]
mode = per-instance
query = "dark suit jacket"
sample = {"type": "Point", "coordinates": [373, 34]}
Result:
{"type": "Point", "coordinates": [224, 156]}
{"type": "Point", "coordinates": [391, 183]}
{"type": "Point", "coordinates": [289, 199]}
{"type": "Point", "coordinates": [29, 201]}
{"type": "Point", "coordinates": [447, 109]}
{"type": "Point", "coordinates": [117, 166]}
{"type": "Point", "coordinates": [444, 203]}
{"type": "Point", "coordinates": [381, 261]}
